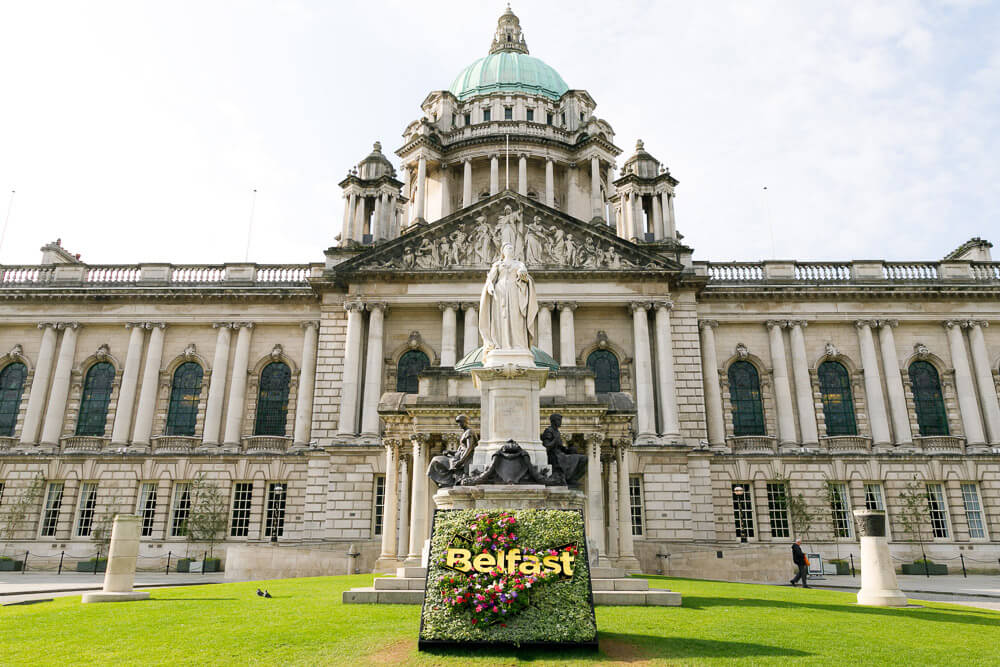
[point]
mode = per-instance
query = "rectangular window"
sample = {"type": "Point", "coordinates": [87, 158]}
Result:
{"type": "Point", "coordinates": [508, 113]}
{"type": "Point", "coordinates": [939, 510]}
{"type": "Point", "coordinates": [777, 509]}
{"type": "Point", "coordinates": [239, 525]}
{"type": "Point", "coordinates": [379, 504]}
{"type": "Point", "coordinates": [85, 509]}
{"type": "Point", "coordinates": [468, 119]}
{"type": "Point", "coordinates": [1, 492]}
{"type": "Point", "coordinates": [563, 116]}
{"type": "Point", "coordinates": [486, 115]}
{"type": "Point", "coordinates": [181, 509]}
{"type": "Point", "coordinates": [973, 511]}
{"type": "Point", "coordinates": [146, 507]}
{"type": "Point", "coordinates": [548, 119]}
{"type": "Point", "coordinates": [743, 511]}
{"type": "Point", "coordinates": [531, 115]}
{"type": "Point", "coordinates": [635, 503]}
{"type": "Point", "coordinates": [53, 503]}
{"type": "Point", "coordinates": [874, 498]}
{"type": "Point", "coordinates": [840, 510]}
{"type": "Point", "coordinates": [275, 520]}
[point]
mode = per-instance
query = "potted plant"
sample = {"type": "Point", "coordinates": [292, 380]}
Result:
{"type": "Point", "coordinates": [16, 515]}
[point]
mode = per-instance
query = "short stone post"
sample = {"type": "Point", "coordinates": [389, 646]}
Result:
{"type": "Point", "coordinates": [879, 587]}
{"type": "Point", "coordinates": [120, 573]}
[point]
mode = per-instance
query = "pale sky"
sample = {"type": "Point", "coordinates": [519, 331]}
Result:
{"type": "Point", "coordinates": [136, 131]}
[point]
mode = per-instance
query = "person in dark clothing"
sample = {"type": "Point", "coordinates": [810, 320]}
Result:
{"type": "Point", "coordinates": [799, 558]}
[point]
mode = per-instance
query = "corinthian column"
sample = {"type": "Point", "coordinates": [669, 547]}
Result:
{"type": "Point", "coordinates": [391, 502]}
{"type": "Point", "coordinates": [645, 410]}
{"type": "Point", "coordinates": [626, 545]}
{"type": "Point", "coordinates": [403, 539]}
{"type": "Point", "coordinates": [670, 422]}
{"type": "Point", "coordinates": [217, 384]}
{"type": "Point", "coordinates": [657, 218]}
{"type": "Point", "coordinates": [873, 384]}
{"type": "Point", "coordinates": [550, 189]}
{"type": "Point", "coordinates": [984, 379]}
{"type": "Point", "coordinates": [40, 384]}
{"type": "Point", "coordinates": [421, 192]}
{"type": "Point", "coordinates": [373, 370]}
{"type": "Point", "coordinates": [494, 175]}
{"type": "Point", "coordinates": [567, 335]}
{"type": "Point", "coordinates": [967, 404]}
{"type": "Point", "coordinates": [150, 385]}
{"type": "Point", "coordinates": [449, 333]}
{"type": "Point", "coordinates": [522, 175]}
{"type": "Point", "coordinates": [347, 424]}
{"type": "Point", "coordinates": [467, 184]}
{"type": "Point", "coordinates": [130, 377]}
{"type": "Point", "coordinates": [470, 321]}
{"type": "Point", "coordinates": [595, 492]}
{"type": "Point", "coordinates": [545, 327]}
{"type": "Point", "coordinates": [55, 413]}
{"type": "Point", "coordinates": [782, 389]}
{"type": "Point", "coordinates": [418, 501]}
{"type": "Point", "coordinates": [803, 385]}
{"type": "Point", "coordinates": [238, 386]}
{"type": "Point", "coordinates": [894, 383]}
{"type": "Point", "coordinates": [307, 385]}
{"type": "Point", "coordinates": [596, 204]}
{"type": "Point", "coordinates": [710, 374]}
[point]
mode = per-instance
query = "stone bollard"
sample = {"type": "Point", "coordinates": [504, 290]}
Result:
{"type": "Point", "coordinates": [120, 573]}
{"type": "Point", "coordinates": [879, 587]}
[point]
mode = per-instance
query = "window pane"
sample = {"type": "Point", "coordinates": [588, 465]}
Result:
{"type": "Point", "coordinates": [973, 511]}
{"type": "Point", "coordinates": [743, 511]}
{"type": "Point", "coordinates": [184, 396]}
{"type": "Point", "coordinates": [939, 510]}
{"type": "Point", "coordinates": [379, 503]}
{"type": "Point", "coordinates": [635, 503]}
{"type": "Point", "coordinates": [744, 393]}
{"type": "Point", "coordinates": [927, 399]}
{"type": "Point", "coordinates": [11, 387]}
{"type": "Point", "coordinates": [840, 510]}
{"type": "Point", "coordinates": [410, 365]}
{"type": "Point", "coordinates": [275, 524]}
{"type": "Point", "coordinates": [242, 496]}
{"type": "Point", "coordinates": [94, 402]}
{"type": "Point", "coordinates": [607, 374]}
{"type": "Point", "coordinates": [53, 503]}
{"type": "Point", "coordinates": [838, 403]}
{"type": "Point", "coordinates": [874, 499]}
{"type": "Point", "coordinates": [777, 509]}
{"type": "Point", "coordinates": [85, 514]}
{"type": "Point", "coordinates": [147, 507]}
{"type": "Point", "coordinates": [182, 509]}
{"type": "Point", "coordinates": [272, 399]}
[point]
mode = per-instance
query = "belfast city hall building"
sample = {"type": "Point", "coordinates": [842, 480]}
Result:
{"type": "Point", "coordinates": [714, 401]}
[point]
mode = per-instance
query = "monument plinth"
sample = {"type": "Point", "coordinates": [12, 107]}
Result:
{"type": "Point", "coordinates": [120, 574]}
{"type": "Point", "coordinates": [879, 587]}
{"type": "Point", "coordinates": [509, 408]}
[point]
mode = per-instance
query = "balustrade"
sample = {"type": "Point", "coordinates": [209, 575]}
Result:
{"type": "Point", "coordinates": [753, 444]}
{"type": "Point", "coordinates": [105, 275]}
{"type": "Point", "coordinates": [174, 444]}
{"type": "Point", "coordinates": [84, 444]}
{"type": "Point", "coordinates": [847, 444]}
{"type": "Point", "coordinates": [910, 271]}
{"type": "Point", "coordinates": [940, 444]}
{"type": "Point", "coordinates": [265, 444]}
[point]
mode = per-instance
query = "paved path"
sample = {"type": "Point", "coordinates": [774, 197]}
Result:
{"type": "Point", "coordinates": [16, 587]}
{"type": "Point", "coordinates": [976, 590]}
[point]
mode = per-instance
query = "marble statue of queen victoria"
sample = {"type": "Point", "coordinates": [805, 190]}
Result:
{"type": "Point", "coordinates": [508, 305]}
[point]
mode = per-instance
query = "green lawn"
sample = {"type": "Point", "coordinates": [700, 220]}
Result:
{"type": "Point", "coordinates": [306, 624]}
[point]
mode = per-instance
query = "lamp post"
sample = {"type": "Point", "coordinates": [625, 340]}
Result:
{"type": "Point", "coordinates": [740, 531]}
{"type": "Point", "coordinates": [279, 493]}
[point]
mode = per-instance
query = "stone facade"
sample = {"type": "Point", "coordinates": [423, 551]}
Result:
{"type": "Point", "coordinates": [352, 412]}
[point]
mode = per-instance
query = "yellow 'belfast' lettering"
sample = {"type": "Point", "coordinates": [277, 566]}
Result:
{"type": "Point", "coordinates": [463, 560]}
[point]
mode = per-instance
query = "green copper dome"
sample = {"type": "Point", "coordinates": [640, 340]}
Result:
{"type": "Point", "coordinates": [508, 71]}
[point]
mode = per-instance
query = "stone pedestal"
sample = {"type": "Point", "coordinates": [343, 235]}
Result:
{"type": "Point", "coordinates": [510, 497]}
{"type": "Point", "coordinates": [120, 573]}
{"type": "Point", "coordinates": [879, 587]}
{"type": "Point", "coordinates": [509, 384]}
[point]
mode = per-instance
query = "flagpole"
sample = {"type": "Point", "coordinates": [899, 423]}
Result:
{"type": "Point", "coordinates": [507, 163]}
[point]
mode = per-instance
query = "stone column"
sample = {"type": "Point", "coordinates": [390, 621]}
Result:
{"type": "Point", "coordinates": [595, 492]}
{"type": "Point", "coordinates": [359, 219]}
{"type": "Point", "coordinates": [470, 320]}
{"type": "Point", "coordinates": [467, 184]}
{"type": "Point", "coordinates": [803, 385]}
{"type": "Point", "coordinates": [150, 388]}
{"type": "Point", "coordinates": [545, 327]}
{"type": "Point", "coordinates": [645, 410]}
{"type": "Point", "coordinates": [894, 383]}
{"type": "Point", "coordinates": [657, 219]}
{"type": "Point", "coordinates": [449, 333]}
{"type": "Point", "coordinates": [671, 223]}
{"type": "Point", "coordinates": [418, 499]}
{"type": "Point", "coordinates": [628, 215]}
{"type": "Point", "coordinates": [879, 587]}
{"type": "Point", "coordinates": [40, 384]}
{"type": "Point", "coordinates": [217, 384]}
{"type": "Point", "coordinates": [626, 545]}
{"type": "Point", "coordinates": [373, 370]}
{"type": "Point", "coordinates": [667, 383]}
{"type": "Point", "coordinates": [967, 403]}
{"type": "Point", "coordinates": [550, 187]}
{"type": "Point", "coordinates": [55, 413]}
{"type": "Point", "coordinates": [445, 190]}
{"type": "Point", "coordinates": [238, 386]}
{"type": "Point", "coordinates": [347, 424]}
{"type": "Point", "coordinates": [613, 504]}
{"type": "Point", "coordinates": [611, 193]}
{"type": "Point", "coordinates": [352, 207]}
{"type": "Point", "coordinates": [522, 175]}
{"type": "Point", "coordinates": [391, 500]}
{"type": "Point", "coordinates": [494, 174]}
{"type": "Point", "coordinates": [984, 379]}
{"type": "Point", "coordinates": [710, 375]}
{"type": "Point", "coordinates": [420, 194]}
{"type": "Point", "coordinates": [119, 576]}
{"type": "Point", "coordinates": [130, 381]}
{"type": "Point", "coordinates": [307, 385]}
{"type": "Point", "coordinates": [377, 219]}
{"type": "Point", "coordinates": [782, 388]}
{"type": "Point", "coordinates": [640, 227]}
{"type": "Point", "coordinates": [873, 384]}
{"type": "Point", "coordinates": [596, 204]}
{"type": "Point", "coordinates": [384, 226]}
{"type": "Point", "coordinates": [567, 334]}
{"type": "Point", "coordinates": [403, 539]}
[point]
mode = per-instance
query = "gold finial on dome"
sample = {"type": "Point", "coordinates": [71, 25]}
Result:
{"type": "Point", "coordinates": [508, 36]}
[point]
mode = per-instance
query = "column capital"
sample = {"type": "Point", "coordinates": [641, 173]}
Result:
{"type": "Point", "coordinates": [775, 324]}
{"type": "Point", "coordinates": [222, 325]}
{"type": "Point", "coordinates": [567, 305]}
{"type": "Point", "coordinates": [636, 306]}
{"type": "Point", "coordinates": [594, 438]}
{"type": "Point", "coordinates": [949, 324]}
{"type": "Point", "coordinates": [708, 324]}
{"type": "Point", "coordinates": [393, 445]}
{"type": "Point", "coordinates": [68, 325]}
{"type": "Point", "coordinates": [791, 324]}
{"type": "Point", "coordinates": [132, 325]}
{"type": "Point", "coordinates": [547, 305]}
{"type": "Point", "coordinates": [355, 305]}
{"type": "Point", "coordinates": [155, 325]}
{"type": "Point", "coordinates": [864, 324]}
{"type": "Point", "coordinates": [665, 304]}
{"type": "Point", "coordinates": [470, 305]}
{"type": "Point", "coordinates": [448, 305]}
{"type": "Point", "coordinates": [47, 325]}
{"type": "Point", "coordinates": [310, 324]}
{"type": "Point", "coordinates": [372, 306]}
{"type": "Point", "coordinates": [891, 324]}
{"type": "Point", "coordinates": [243, 325]}
{"type": "Point", "coordinates": [973, 324]}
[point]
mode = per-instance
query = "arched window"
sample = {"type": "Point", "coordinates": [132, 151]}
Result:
{"type": "Point", "coordinates": [838, 403]}
{"type": "Point", "coordinates": [185, 392]}
{"type": "Point", "coordinates": [607, 376]}
{"type": "Point", "coordinates": [928, 399]}
{"type": "Point", "coordinates": [11, 387]}
{"type": "Point", "coordinates": [744, 394]}
{"type": "Point", "coordinates": [410, 365]}
{"type": "Point", "coordinates": [94, 402]}
{"type": "Point", "coordinates": [272, 399]}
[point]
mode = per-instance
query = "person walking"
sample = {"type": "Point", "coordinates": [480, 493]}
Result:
{"type": "Point", "coordinates": [802, 563]}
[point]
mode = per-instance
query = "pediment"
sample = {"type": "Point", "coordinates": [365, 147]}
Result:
{"type": "Point", "coordinates": [544, 239]}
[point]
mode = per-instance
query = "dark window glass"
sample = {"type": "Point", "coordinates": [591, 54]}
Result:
{"type": "Point", "coordinates": [242, 496]}
{"type": "Point", "coordinates": [275, 520]}
{"type": "Point", "coordinates": [777, 509]}
{"type": "Point", "coordinates": [548, 119]}
{"type": "Point", "coordinates": [486, 115]}
{"type": "Point", "coordinates": [744, 393]}
{"type": "Point", "coordinates": [94, 403]}
{"type": "Point", "coordinates": [184, 395]}
{"type": "Point", "coordinates": [379, 503]}
{"type": "Point", "coordinates": [147, 507]}
{"type": "Point", "coordinates": [11, 387]}
{"type": "Point", "coordinates": [272, 399]}
{"type": "Point", "coordinates": [411, 364]}
{"type": "Point", "coordinates": [468, 119]}
{"type": "Point", "coordinates": [743, 511]}
{"type": "Point", "coordinates": [531, 115]}
{"type": "Point", "coordinates": [508, 113]}
{"type": "Point", "coordinates": [838, 404]}
{"type": "Point", "coordinates": [928, 399]}
{"type": "Point", "coordinates": [607, 376]}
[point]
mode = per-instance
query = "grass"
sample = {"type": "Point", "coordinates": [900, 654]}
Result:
{"type": "Point", "coordinates": [305, 624]}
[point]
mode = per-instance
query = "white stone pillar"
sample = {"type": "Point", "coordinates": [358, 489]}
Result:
{"type": "Point", "coordinates": [385, 217]}
{"type": "Point", "coordinates": [470, 320]}
{"type": "Point", "coordinates": [873, 384]}
{"type": "Point", "coordinates": [984, 379]}
{"type": "Point", "coordinates": [377, 220]}
{"type": "Point", "coordinates": [150, 388]}
{"type": "Point", "coordinates": [667, 383]}
{"type": "Point", "coordinates": [40, 384]}
{"type": "Point", "coordinates": [238, 385]}
{"type": "Point", "coordinates": [612, 222]}
{"type": "Point", "coordinates": [803, 384]}
{"type": "Point", "coordinates": [418, 499]}
{"type": "Point", "coordinates": [467, 184]}
{"type": "Point", "coordinates": [879, 587]}
{"type": "Point", "coordinates": [494, 174]}
{"type": "Point", "coordinates": [645, 411]}
{"type": "Point", "coordinates": [352, 207]}
{"type": "Point", "coordinates": [307, 385]}
{"type": "Point", "coordinates": [894, 383]}
{"type": "Point", "coordinates": [119, 576]}
{"type": "Point", "coordinates": [545, 327]}
{"type": "Point", "coordinates": [626, 545]}
{"type": "Point", "coordinates": [522, 175]}
{"type": "Point", "coordinates": [567, 334]}
{"type": "Point", "coordinates": [347, 424]}
{"type": "Point", "coordinates": [613, 504]}
{"type": "Point", "coordinates": [657, 219]}
{"type": "Point", "coordinates": [391, 500]}
{"type": "Point", "coordinates": [595, 492]}
{"type": "Point", "coordinates": [445, 190]}
{"type": "Point", "coordinates": [420, 194]}
{"type": "Point", "coordinates": [359, 219]}
{"type": "Point", "coordinates": [640, 220]}
{"type": "Point", "coordinates": [782, 388]}
{"type": "Point", "coordinates": [217, 384]}
{"type": "Point", "coordinates": [373, 370]}
{"type": "Point", "coordinates": [550, 187]}
{"type": "Point", "coordinates": [596, 204]}
{"type": "Point", "coordinates": [634, 221]}
{"type": "Point", "coordinates": [967, 403]}
{"type": "Point", "coordinates": [403, 539]}
{"type": "Point", "coordinates": [449, 333]}
{"type": "Point", "coordinates": [710, 375]}
{"type": "Point", "coordinates": [671, 222]}
{"type": "Point", "coordinates": [130, 382]}
{"type": "Point", "coordinates": [55, 413]}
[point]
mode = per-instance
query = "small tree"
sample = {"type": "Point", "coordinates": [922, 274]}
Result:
{"type": "Point", "coordinates": [22, 506]}
{"type": "Point", "coordinates": [833, 501]}
{"type": "Point", "coordinates": [915, 511]}
{"type": "Point", "coordinates": [209, 515]}
{"type": "Point", "coordinates": [801, 516]}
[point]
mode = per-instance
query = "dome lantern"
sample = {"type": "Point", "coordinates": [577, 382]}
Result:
{"type": "Point", "coordinates": [508, 36]}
